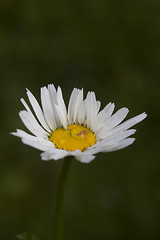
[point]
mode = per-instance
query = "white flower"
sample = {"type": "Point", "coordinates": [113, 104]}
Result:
{"type": "Point", "coordinates": [82, 131]}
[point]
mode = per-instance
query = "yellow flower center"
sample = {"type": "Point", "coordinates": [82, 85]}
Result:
{"type": "Point", "coordinates": [73, 138]}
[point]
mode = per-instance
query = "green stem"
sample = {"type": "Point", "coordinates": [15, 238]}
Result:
{"type": "Point", "coordinates": [60, 199]}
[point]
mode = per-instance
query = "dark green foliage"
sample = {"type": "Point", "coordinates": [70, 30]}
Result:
{"type": "Point", "coordinates": [26, 236]}
{"type": "Point", "coordinates": [113, 48]}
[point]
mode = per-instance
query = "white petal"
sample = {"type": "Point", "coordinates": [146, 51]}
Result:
{"type": "Point", "coordinates": [109, 108]}
{"type": "Point", "coordinates": [98, 106]}
{"type": "Point", "coordinates": [71, 105]}
{"type": "Point", "coordinates": [82, 156]}
{"type": "Point", "coordinates": [53, 93]}
{"type": "Point", "coordinates": [78, 102]}
{"type": "Point", "coordinates": [82, 113]}
{"type": "Point", "coordinates": [102, 117]}
{"type": "Point", "coordinates": [31, 123]}
{"type": "Point", "coordinates": [105, 132]}
{"type": "Point", "coordinates": [53, 96]}
{"type": "Point", "coordinates": [54, 154]}
{"type": "Point", "coordinates": [88, 155]}
{"type": "Point", "coordinates": [105, 125]}
{"type": "Point", "coordinates": [85, 158]}
{"type": "Point", "coordinates": [74, 104]}
{"type": "Point", "coordinates": [91, 110]}
{"type": "Point", "coordinates": [131, 122]}
{"type": "Point", "coordinates": [36, 142]}
{"type": "Point", "coordinates": [61, 108]}
{"type": "Point", "coordinates": [37, 110]}
{"type": "Point", "coordinates": [48, 108]}
{"type": "Point", "coordinates": [100, 121]}
{"type": "Point", "coordinates": [116, 138]}
{"type": "Point", "coordinates": [22, 134]}
{"type": "Point", "coordinates": [117, 118]}
{"type": "Point", "coordinates": [28, 110]}
{"type": "Point", "coordinates": [125, 143]}
{"type": "Point", "coordinates": [26, 106]}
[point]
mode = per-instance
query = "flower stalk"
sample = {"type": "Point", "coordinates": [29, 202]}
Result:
{"type": "Point", "coordinates": [60, 199]}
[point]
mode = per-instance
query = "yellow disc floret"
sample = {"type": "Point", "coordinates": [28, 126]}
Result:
{"type": "Point", "coordinates": [73, 138]}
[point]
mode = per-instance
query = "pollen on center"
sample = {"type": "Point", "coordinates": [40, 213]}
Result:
{"type": "Point", "coordinates": [73, 138]}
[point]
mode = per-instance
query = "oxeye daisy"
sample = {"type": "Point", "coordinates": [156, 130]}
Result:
{"type": "Point", "coordinates": [81, 131]}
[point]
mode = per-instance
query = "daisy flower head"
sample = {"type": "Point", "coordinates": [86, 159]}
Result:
{"type": "Point", "coordinates": [81, 131]}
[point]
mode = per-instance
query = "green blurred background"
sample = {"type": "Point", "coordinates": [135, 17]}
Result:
{"type": "Point", "coordinates": [112, 48]}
